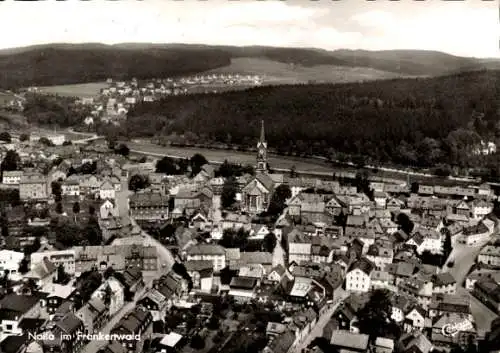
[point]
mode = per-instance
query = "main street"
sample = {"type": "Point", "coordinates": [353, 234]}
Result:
{"type": "Point", "coordinates": [464, 257]}
{"type": "Point", "coordinates": [317, 330]}
{"type": "Point", "coordinates": [164, 257]}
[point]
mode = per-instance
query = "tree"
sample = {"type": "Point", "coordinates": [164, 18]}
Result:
{"type": "Point", "coordinates": [56, 190]}
{"type": "Point", "coordinates": [91, 210]}
{"type": "Point", "coordinates": [197, 342]}
{"type": "Point", "coordinates": [293, 172]}
{"type": "Point", "coordinates": [46, 142]}
{"type": "Point", "coordinates": [24, 137]}
{"type": "Point", "coordinates": [213, 323]}
{"type": "Point", "coordinates": [107, 295]}
{"type": "Point", "coordinates": [11, 161]}
{"type": "Point", "coordinates": [5, 136]}
{"type": "Point", "coordinates": [196, 162]}
{"type": "Point", "coordinates": [278, 200]}
{"type": "Point", "coordinates": [61, 275]}
{"type": "Point", "coordinates": [269, 242]}
{"type": "Point", "coordinates": [138, 182]}
{"type": "Point", "coordinates": [229, 190]}
{"type": "Point", "coordinates": [59, 208]}
{"type": "Point", "coordinates": [167, 165]}
{"type": "Point", "coordinates": [93, 232]}
{"type": "Point", "coordinates": [447, 245]}
{"type": "Point", "coordinates": [76, 209]}
{"type": "Point", "coordinates": [122, 149]}
{"type": "Point", "coordinates": [375, 317]}
{"type": "Point", "coordinates": [405, 223]}
{"type": "Point", "coordinates": [24, 266]}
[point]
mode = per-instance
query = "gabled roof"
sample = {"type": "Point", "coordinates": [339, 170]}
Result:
{"type": "Point", "coordinates": [364, 265]}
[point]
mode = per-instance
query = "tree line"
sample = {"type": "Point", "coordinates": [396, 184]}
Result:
{"type": "Point", "coordinates": [417, 122]}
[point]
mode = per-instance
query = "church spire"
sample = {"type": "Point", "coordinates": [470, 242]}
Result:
{"type": "Point", "coordinates": [262, 134]}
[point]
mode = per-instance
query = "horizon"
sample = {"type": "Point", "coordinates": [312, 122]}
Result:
{"type": "Point", "coordinates": [357, 25]}
{"type": "Point", "coordinates": [238, 46]}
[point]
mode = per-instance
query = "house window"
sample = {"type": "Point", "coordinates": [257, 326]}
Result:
{"type": "Point", "coordinates": [8, 327]}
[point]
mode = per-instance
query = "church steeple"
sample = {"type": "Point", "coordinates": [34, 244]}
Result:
{"type": "Point", "coordinates": [262, 134]}
{"type": "Point", "coordinates": [261, 152]}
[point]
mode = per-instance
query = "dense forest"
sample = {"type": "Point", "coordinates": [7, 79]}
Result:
{"type": "Point", "coordinates": [63, 64]}
{"type": "Point", "coordinates": [419, 122]}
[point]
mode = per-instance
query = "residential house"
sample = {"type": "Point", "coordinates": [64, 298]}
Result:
{"type": "Point", "coordinates": [380, 256]}
{"type": "Point", "coordinates": [71, 186]}
{"type": "Point", "coordinates": [12, 177]}
{"type": "Point", "coordinates": [487, 290]}
{"type": "Point", "coordinates": [67, 326]}
{"type": "Point", "coordinates": [358, 276]}
{"type": "Point", "coordinates": [383, 345]}
{"type": "Point", "coordinates": [282, 343]}
{"type": "Point", "coordinates": [156, 302]}
{"type": "Point", "coordinates": [136, 322]}
{"type": "Point", "coordinates": [108, 210]}
{"type": "Point", "coordinates": [462, 337]}
{"type": "Point", "coordinates": [415, 319]}
{"type": "Point", "coordinates": [212, 252]}
{"type": "Point", "coordinates": [112, 293]}
{"type": "Point", "coordinates": [349, 342]}
{"type": "Point", "coordinates": [489, 255]}
{"type": "Point", "coordinates": [444, 283]}
{"type": "Point", "coordinates": [14, 308]}
{"type": "Point", "coordinates": [481, 208]}
{"type": "Point", "coordinates": [42, 273]}
{"type": "Point", "coordinates": [202, 274]}
{"type": "Point", "coordinates": [57, 294]}
{"type": "Point", "coordinates": [93, 315]}
{"type": "Point", "coordinates": [33, 186]}
{"type": "Point", "coordinates": [9, 262]}
{"type": "Point", "coordinates": [448, 304]}
{"type": "Point", "coordinates": [476, 275]}
{"type": "Point", "coordinates": [107, 191]}
{"type": "Point", "coordinates": [415, 342]}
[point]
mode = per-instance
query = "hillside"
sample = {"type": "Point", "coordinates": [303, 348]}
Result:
{"type": "Point", "coordinates": [415, 121]}
{"type": "Point", "coordinates": [57, 64]}
{"type": "Point", "coordinates": [64, 64]}
{"type": "Point", "coordinates": [275, 72]}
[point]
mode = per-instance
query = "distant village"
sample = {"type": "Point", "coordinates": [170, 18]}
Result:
{"type": "Point", "coordinates": [112, 103]}
{"type": "Point", "coordinates": [191, 257]}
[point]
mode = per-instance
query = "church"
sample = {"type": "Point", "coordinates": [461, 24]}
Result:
{"type": "Point", "coordinates": [257, 193]}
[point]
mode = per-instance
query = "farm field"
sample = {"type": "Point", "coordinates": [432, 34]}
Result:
{"type": "Point", "coordinates": [275, 72]}
{"type": "Point", "coordinates": [81, 90]}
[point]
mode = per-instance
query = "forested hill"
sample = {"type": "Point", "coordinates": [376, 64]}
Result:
{"type": "Point", "coordinates": [77, 63]}
{"type": "Point", "coordinates": [55, 64]}
{"type": "Point", "coordinates": [421, 121]}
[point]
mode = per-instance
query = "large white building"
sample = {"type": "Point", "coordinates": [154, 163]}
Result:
{"type": "Point", "coordinates": [358, 279]}
{"type": "Point", "coordinates": [212, 252]}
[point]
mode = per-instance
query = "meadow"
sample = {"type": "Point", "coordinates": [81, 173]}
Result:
{"type": "Point", "coordinates": [274, 72]}
{"type": "Point", "coordinates": [81, 90]}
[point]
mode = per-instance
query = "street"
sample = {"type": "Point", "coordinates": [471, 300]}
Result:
{"type": "Point", "coordinates": [464, 257]}
{"type": "Point", "coordinates": [164, 257]}
{"type": "Point", "coordinates": [94, 346]}
{"type": "Point", "coordinates": [317, 330]}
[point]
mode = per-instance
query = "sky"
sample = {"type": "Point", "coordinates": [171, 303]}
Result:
{"type": "Point", "coordinates": [464, 28]}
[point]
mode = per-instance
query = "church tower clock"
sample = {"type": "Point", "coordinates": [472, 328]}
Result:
{"type": "Point", "coordinates": [261, 152]}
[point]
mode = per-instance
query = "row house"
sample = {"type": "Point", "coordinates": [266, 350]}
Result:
{"type": "Point", "coordinates": [120, 257]}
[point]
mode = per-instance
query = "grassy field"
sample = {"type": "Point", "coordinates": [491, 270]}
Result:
{"type": "Point", "coordinates": [81, 90]}
{"type": "Point", "coordinates": [280, 73]}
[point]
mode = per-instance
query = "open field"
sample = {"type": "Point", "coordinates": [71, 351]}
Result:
{"type": "Point", "coordinates": [281, 73]}
{"type": "Point", "coordinates": [81, 90]}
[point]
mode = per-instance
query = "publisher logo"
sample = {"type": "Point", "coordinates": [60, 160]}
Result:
{"type": "Point", "coordinates": [451, 330]}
